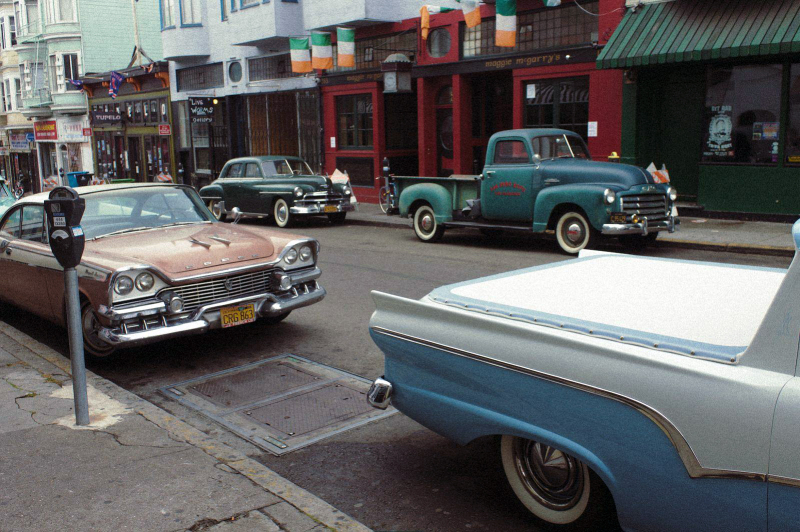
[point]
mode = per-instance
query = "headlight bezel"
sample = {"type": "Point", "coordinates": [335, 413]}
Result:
{"type": "Point", "coordinates": [298, 192]}
{"type": "Point", "coordinates": [293, 257]}
{"type": "Point", "coordinates": [133, 273]}
{"type": "Point", "coordinates": [138, 282]}
{"type": "Point", "coordinates": [609, 196]}
{"type": "Point", "coordinates": [672, 194]}
{"type": "Point", "coordinates": [124, 291]}
{"type": "Point", "coordinates": [347, 191]}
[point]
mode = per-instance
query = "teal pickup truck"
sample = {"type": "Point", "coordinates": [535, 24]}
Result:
{"type": "Point", "coordinates": [539, 180]}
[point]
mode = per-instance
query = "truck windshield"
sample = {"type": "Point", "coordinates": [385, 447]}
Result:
{"type": "Point", "coordinates": [556, 146]}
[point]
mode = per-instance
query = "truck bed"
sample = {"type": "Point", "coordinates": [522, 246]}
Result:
{"type": "Point", "coordinates": [701, 309]}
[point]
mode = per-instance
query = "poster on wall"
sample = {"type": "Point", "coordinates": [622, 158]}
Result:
{"type": "Point", "coordinates": [201, 110]}
{"type": "Point", "coordinates": [720, 126]}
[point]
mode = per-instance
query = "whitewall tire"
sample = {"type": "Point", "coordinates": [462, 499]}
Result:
{"type": "Point", "coordinates": [280, 213]}
{"type": "Point", "coordinates": [426, 227]}
{"type": "Point", "coordinates": [574, 232]}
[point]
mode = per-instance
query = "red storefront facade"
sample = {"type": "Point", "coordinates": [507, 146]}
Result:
{"type": "Point", "coordinates": [465, 89]}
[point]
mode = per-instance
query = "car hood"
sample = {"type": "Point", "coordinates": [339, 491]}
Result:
{"type": "Point", "coordinates": [583, 171]}
{"type": "Point", "coordinates": [184, 249]}
{"type": "Point", "coordinates": [318, 182]}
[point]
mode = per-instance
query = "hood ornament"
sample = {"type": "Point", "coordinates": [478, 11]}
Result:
{"type": "Point", "coordinates": [200, 243]}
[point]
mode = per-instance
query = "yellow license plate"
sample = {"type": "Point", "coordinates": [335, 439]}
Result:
{"type": "Point", "coordinates": [233, 316]}
{"type": "Point", "coordinates": [330, 208]}
{"type": "Point", "coordinates": [618, 218]}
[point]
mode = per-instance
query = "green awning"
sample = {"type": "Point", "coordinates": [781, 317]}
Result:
{"type": "Point", "coordinates": [699, 30]}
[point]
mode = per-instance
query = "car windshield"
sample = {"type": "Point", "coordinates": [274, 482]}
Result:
{"type": "Point", "coordinates": [292, 167]}
{"type": "Point", "coordinates": [136, 209]}
{"type": "Point", "coordinates": [557, 146]}
{"type": "Point", "coordinates": [4, 193]}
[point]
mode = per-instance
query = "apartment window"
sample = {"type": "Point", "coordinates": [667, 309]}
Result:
{"type": "Point", "coordinates": [371, 52]}
{"type": "Point", "coordinates": [273, 67]}
{"type": "Point", "coordinates": [190, 12]}
{"type": "Point", "coordinates": [32, 75]}
{"type": "Point", "coordinates": [12, 28]}
{"type": "Point", "coordinates": [3, 96]}
{"type": "Point", "coordinates": [70, 71]}
{"type": "Point", "coordinates": [7, 93]}
{"type": "Point", "coordinates": [18, 93]}
{"type": "Point", "coordinates": [167, 14]}
{"type": "Point", "coordinates": [32, 16]}
{"type": "Point", "coordinates": [3, 33]}
{"type": "Point", "coordinates": [200, 77]}
{"type": "Point", "coordinates": [224, 9]}
{"type": "Point", "coordinates": [60, 11]}
{"type": "Point", "coordinates": [740, 127]}
{"type": "Point", "coordinates": [354, 120]}
{"type": "Point", "coordinates": [248, 3]}
{"type": "Point", "coordinates": [538, 30]}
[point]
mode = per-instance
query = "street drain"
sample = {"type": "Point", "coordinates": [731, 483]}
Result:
{"type": "Point", "coordinates": [282, 403]}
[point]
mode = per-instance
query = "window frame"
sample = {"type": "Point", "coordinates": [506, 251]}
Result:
{"type": "Point", "coordinates": [191, 3]}
{"type": "Point", "coordinates": [52, 12]}
{"type": "Point", "coordinates": [170, 8]}
{"type": "Point", "coordinates": [354, 99]}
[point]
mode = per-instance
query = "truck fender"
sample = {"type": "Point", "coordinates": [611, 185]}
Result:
{"type": "Point", "coordinates": [589, 198]}
{"type": "Point", "coordinates": [434, 195]}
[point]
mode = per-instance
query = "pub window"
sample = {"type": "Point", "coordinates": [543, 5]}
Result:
{"type": "Point", "coordinates": [354, 119]}
{"type": "Point", "coordinates": [742, 114]}
{"type": "Point", "coordinates": [562, 103]}
{"type": "Point", "coordinates": [793, 129]}
{"type": "Point", "coordinates": [543, 29]}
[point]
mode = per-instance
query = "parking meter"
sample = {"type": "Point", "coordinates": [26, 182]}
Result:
{"type": "Point", "coordinates": [64, 212]}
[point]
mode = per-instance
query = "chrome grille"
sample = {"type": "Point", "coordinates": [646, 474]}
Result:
{"type": "Point", "coordinates": [653, 206]}
{"type": "Point", "coordinates": [319, 197]}
{"type": "Point", "coordinates": [198, 294]}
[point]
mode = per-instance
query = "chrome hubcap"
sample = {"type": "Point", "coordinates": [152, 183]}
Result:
{"type": "Point", "coordinates": [574, 233]}
{"type": "Point", "coordinates": [551, 476]}
{"type": "Point", "coordinates": [90, 328]}
{"type": "Point", "coordinates": [426, 222]}
{"type": "Point", "coordinates": [282, 213]}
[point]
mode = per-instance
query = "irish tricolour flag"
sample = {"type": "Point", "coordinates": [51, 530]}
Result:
{"type": "Point", "coordinates": [425, 13]}
{"type": "Point", "coordinates": [346, 47]}
{"type": "Point", "coordinates": [506, 23]}
{"type": "Point", "coordinates": [472, 13]}
{"type": "Point", "coordinates": [301, 54]}
{"type": "Point", "coordinates": [321, 51]}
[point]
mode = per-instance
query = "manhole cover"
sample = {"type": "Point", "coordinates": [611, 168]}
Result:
{"type": "Point", "coordinates": [282, 403]}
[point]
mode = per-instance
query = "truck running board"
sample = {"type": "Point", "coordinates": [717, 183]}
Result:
{"type": "Point", "coordinates": [485, 225]}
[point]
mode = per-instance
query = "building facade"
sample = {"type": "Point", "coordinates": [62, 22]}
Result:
{"type": "Point", "coordinates": [63, 40]}
{"type": "Point", "coordinates": [464, 89]}
{"type": "Point", "coordinates": [712, 91]}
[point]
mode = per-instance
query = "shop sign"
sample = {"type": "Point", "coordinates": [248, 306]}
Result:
{"type": "Point", "coordinates": [72, 130]}
{"type": "Point", "coordinates": [19, 142]}
{"type": "Point", "coordinates": [164, 129]}
{"type": "Point", "coordinates": [588, 55]}
{"type": "Point", "coordinates": [105, 117]}
{"type": "Point", "coordinates": [720, 127]}
{"type": "Point", "coordinates": [87, 132]}
{"type": "Point", "coordinates": [3, 151]}
{"type": "Point", "coordinates": [45, 130]}
{"type": "Point", "coordinates": [201, 110]}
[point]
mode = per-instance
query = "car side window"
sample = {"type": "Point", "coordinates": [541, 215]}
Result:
{"type": "Point", "coordinates": [511, 152]}
{"type": "Point", "coordinates": [11, 225]}
{"type": "Point", "coordinates": [32, 227]}
{"type": "Point", "coordinates": [269, 168]}
{"type": "Point", "coordinates": [234, 170]}
{"type": "Point", "coordinates": [283, 168]}
{"type": "Point", "coordinates": [251, 170]}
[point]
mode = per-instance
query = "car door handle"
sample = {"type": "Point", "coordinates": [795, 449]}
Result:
{"type": "Point", "coordinates": [552, 181]}
{"type": "Point", "coordinates": [489, 172]}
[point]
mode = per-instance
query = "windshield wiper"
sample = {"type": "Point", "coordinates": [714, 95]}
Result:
{"type": "Point", "coordinates": [121, 231]}
{"type": "Point", "coordinates": [185, 223]}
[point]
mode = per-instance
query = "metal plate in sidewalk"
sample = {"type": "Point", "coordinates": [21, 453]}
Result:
{"type": "Point", "coordinates": [282, 403]}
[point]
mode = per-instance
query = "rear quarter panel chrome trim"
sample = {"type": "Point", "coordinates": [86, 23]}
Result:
{"type": "Point", "coordinates": [688, 457]}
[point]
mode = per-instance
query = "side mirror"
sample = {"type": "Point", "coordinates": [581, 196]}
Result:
{"type": "Point", "coordinates": [237, 214]}
{"type": "Point", "coordinates": [18, 192]}
{"type": "Point", "coordinates": [537, 158]}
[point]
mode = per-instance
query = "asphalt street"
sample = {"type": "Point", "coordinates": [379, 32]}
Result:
{"type": "Point", "coordinates": [392, 474]}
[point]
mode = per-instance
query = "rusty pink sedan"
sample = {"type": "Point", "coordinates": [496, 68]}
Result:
{"type": "Point", "coordinates": [156, 265]}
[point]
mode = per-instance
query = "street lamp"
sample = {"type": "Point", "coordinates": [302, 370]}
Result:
{"type": "Point", "coordinates": [397, 74]}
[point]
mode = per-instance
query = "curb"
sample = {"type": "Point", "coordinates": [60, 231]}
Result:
{"type": "Point", "coordinates": [751, 249]}
{"type": "Point", "coordinates": [303, 500]}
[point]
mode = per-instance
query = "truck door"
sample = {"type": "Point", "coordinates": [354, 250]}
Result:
{"type": "Point", "coordinates": [507, 186]}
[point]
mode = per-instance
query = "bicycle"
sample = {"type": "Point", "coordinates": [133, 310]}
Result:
{"type": "Point", "coordinates": [387, 195]}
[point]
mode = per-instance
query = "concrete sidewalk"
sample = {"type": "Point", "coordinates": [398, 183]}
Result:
{"type": "Point", "coordinates": [738, 236]}
{"type": "Point", "coordinates": [135, 467]}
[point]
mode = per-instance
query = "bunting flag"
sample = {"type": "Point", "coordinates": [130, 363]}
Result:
{"type": "Point", "coordinates": [78, 84]}
{"type": "Point", "coordinates": [321, 51]}
{"type": "Point", "coordinates": [116, 81]}
{"type": "Point", "coordinates": [552, 3]}
{"type": "Point", "coordinates": [346, 46]}
{"type": "Point", "coordinates": [425, 13]}
{"type": "Point", "coordinates": [506, 23]}
{"type": "Point", "coordinates": [301, 54]}
{"type": "Point", "coordinates": [472, 13]}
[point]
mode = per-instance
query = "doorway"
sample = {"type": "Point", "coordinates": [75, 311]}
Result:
{"type": "Point", "coordinates": [134, 158]}
{"type": "Point", "coordinates": [444, 131]}
{"type": "Point", "coordinates": [492, 111]}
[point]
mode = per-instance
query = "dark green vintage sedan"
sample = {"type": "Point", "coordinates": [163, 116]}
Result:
{"type": "Point", "coordinates": [280, 187]}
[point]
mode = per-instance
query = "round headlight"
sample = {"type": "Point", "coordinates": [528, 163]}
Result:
{"type": "Point", "coordinates": [673, 194]}
{"type": "Point", "coordinates": [144, 282]}
{"type": "Point", "coordinates": [290, 256]}
{"type": "Point", "coordinates": [346, 191]}
{"type": "Point", "coordinates": [298, 192]}
{"type": "Point", "coordinates": [305, 253]}
{"type": "Point", "coordinates": [123, 285]}
{"type": "Point", "coordinates": [609, 196]}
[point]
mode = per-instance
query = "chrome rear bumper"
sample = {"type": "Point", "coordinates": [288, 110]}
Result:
{"type": "Point", "coordinates": [642, 228]}
{"type": "Point", "coordinates": [380, 393]}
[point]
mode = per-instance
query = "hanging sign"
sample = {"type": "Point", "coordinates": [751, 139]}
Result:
{"type": "Point", "coordinates": [164, 129]}
{"type": "Point", "coordinates": [201, 110]}
{"type": "Point", "coordinates": [45, 130]}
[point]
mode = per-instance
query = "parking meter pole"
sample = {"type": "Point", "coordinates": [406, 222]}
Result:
{"type": "Point", "coordinates": [76, 346]}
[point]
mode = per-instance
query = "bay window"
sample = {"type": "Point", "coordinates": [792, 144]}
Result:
{"type": "Point", "coordinates": [190, 12]}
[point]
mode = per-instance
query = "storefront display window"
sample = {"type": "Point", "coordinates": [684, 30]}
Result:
{"type": "Point", "coordinates": [742, 114]}
{"type": "Point", "coordinates": [354, 119]}
{"type": "Point", "coordinates": [562, 103]}
{"type": "Point", "coordinates": [793, 129]}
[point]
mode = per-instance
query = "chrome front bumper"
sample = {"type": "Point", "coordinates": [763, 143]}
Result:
{"type": "Point", "coordinates": [642, 228]}
{"type": "Point", "coordinates": [380, 393]}
{"type": "Point", "coordinates": [318, 208]}
{"type": "Point", "coordinates": [306, 291]}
